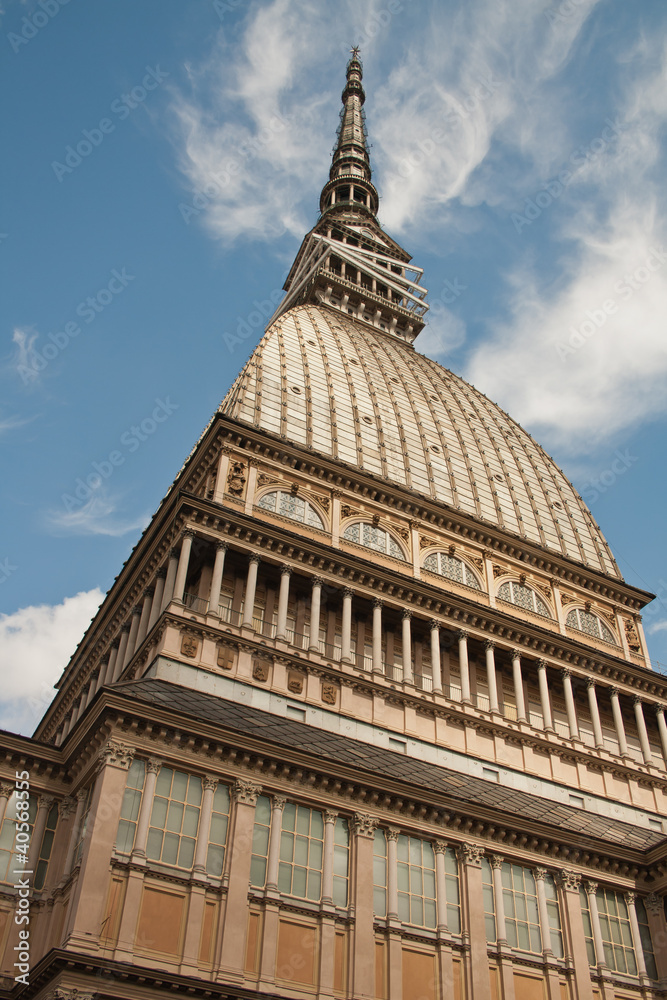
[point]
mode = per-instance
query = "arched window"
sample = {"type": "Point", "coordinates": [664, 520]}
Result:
{"type": "Point", "coordinates": [454, 569]}
{"type": "Point", "coordinates": [589, 623]}
{"type": "Point", "coordinates": [523, 597]}
{"type": "Point", "coordinates": [294, 507]}
{"type": "Point", "coordinates": [373, 538]}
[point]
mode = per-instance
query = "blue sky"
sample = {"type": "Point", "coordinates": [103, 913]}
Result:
{"type": "Point", "coordinates": [163, 161]}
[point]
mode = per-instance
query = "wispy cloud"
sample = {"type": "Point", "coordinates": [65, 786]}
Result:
{"type": "Point", "coordinates": [98, 515]}
{"type": "Point", "coordinates": [39, 641]}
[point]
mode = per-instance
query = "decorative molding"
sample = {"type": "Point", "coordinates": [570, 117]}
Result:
{"type": "Point", "coordinates": [654, 903]}
{"type": "Point", "coordinates": [329, 693]}
{"type": "Point", "coordinates": [209, 782]}
{"type": "Point", "coordinates": [540, 873]}
{"type": "Point", "coordinates": [497, 860]}
{"type": "Point", "coordinates": [364, 825]}
{"type": "Point", "coordinates": [6, 790]}
{"type": "Point", "coordinates": [189, 645]}
{"type": "Point", "coordinates": [440, 846]}
{"type": "Point", "coordinates": [569, 880]}
{"type": "Point", "coordinates": [236, 479]}
{"type": "Point", "coordinates": [246, 792]}
{"type": "Point", "coordinates": [279, 801]}
{"type": "Point", "coordinates": [66, 806]}
{"type": "Point", "coordinates": [330, 816]}
{"type": "Point", "coordinates": [392, 833]}
{"type": "Point", "coordinates": [470, 854]}
{"type": "Point", "coordinates": [295, 682]}
{"type": "Point", "coordinates": [591, 887]}
{"type": "Point", "coordinates": [153, 765]}
{"type": "Point", "coordinates": [116, 754]}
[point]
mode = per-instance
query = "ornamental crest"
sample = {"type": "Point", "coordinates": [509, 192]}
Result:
{"type": "Point", "coordinates": [329, 693]}
{"type": "Point", "coordinates": [189, 645]}
{"type": "Point", "coordinates": [236, 479]}
{"type": "Point", "coordinates": [295, 683]}
{"type": "Point", "coordinates": [260, 670]}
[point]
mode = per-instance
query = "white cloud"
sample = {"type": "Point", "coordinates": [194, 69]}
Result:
{"type": "Point", "coordinates": [37, 643]}
{"type": "Point", "coordinates": [97, 515]}
{"type": "Point", "coordinates": [658, 627]}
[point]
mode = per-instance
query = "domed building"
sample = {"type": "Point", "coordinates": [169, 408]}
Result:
{"type": "Point", "coordinates": [368, 713]}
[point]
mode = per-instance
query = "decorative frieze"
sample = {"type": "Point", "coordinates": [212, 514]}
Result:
{"type": "Point", "coordinates": [116, 754]}
{"type": "Point", "coordinates": [364, 825]}
{"type": "Point", "coordinates": [470, 854]}
{"type": "Point", "coordinates": [246, 792]}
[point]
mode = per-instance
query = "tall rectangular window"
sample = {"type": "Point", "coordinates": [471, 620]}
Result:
{"type": "Point", "coordinates": [217, 837]}
{"type": "Point", "coordinates": [619, 952]}
{"type": "Point", "coordinates": [301, 850]}
{"type": "Point", "coordinates": [489, 901]}
{"type": "Point", "coordinates": [588, 925]}
{"type": "Point", "coordinates": [129, 810]}
{"type": "Point", "coordinates": [555, 931]}
{"type": "Point", "coordinates": [341, 863]}
{"type": "Point", "coordinates": [8, 837]}
{"type": "Point", "coordinates": [380, 874]}
{"type": "Point", "coordinates": [174, 821]}
{"type": "Point", "coordinates": [453, 891]}
{"type": "Point", "coordinates": [260, 841]}
{"type": "Point", "coordinates": [416, 882]}
{"type": "Point", "coordinates": [46, 847]}
{"type": "Point", "coordinates": [645, 934]}
{"type": "Point", "coordinates": [522, 919]}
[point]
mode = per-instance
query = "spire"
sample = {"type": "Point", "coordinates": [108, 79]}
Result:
{"type": "Point", "coordinates": [347, 262]}
{"type": "Point", "coordinates": [349, 189]}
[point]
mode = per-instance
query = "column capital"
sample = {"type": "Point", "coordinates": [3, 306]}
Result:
{"type": "Point", "coordinates": [149, 591]}
{"type": "Point", "coordinates": [654, 903]}
{"type": "Point", "coordinates": [82, 794]}
{"type": "Point", "coordinates": [65, 807]}
{"type": "Point", "coordinates": [161, 573]}
{"type": "Point", "coordinates": [278, 801]}
{"type": "Point", "coordinates": [209, 782]}
{"type": "Point", "coordinates": [613, 692]}
{"type": "Point", "coordinates": [153, 765]}
{"type": "Point", "coordinates": [173, 552]}
{"type": "Point", "coordinates": [330, 816]}
{"type": "Point", "coordinates": [317, 581]}
{"type": "Point", "coordinates": [286, 570]}
{"type": "Point", "coordinates": [406, 614]}
{"type": "Point", "coordinates": [6, 789]}
{"type": "Point", "coordinates": [569, 880]}
{"type": "Point", "coordinates": [136, 610]}
{"type": "Point", "coordinates": [246, 792]}
{"type": "Point", "coordinates": [364, 824]}
{"type": "Point", "coordinates": [470, 854]}
{"type": "Point", "coordinates": [440, 846]}
{"type": "Point", "coordinates": [565, 672]}
{"type": "Point", "coordinates": [590, 887]}
{"type": "Point", "coordinates": [125, 627]}
{"type": "Point", "coordinates": [45, 801]}
{"type": "Point", "coordinates": [630, 898]}
{"type": "Point", "coordinates": [187, 533]}
{"type": "Point", "coordinates": [378, 602]}
{"type": "Point", "coordinates": [590, 682]}
{"type": "Point", "coordinates": [659, 709]}
{"type": "Point", "coordinates": [515, 653]}
{"type": "Point", "coordinates": [497, 860]}
{"type": "Point", "coordinates": [461, 635]}
{"type": "Point", "coordinates": [637, 700]}
{"type": "Point", "coordinates": [542, 664]}
{"type": "Point", "coordinates": [116, 754]}
{"type": "Point", "coordinates": [221, 546]}
{"type": "Point", "coordinates": [255, 558]}
{"type": "Point", "coordinates": [115, 643]}
{"type": "Point", "coordinates": [489, 644]}
{"type": "Point", "coordinates": [540, 873]}
{"type": "Point", "coordinates": [392, 833]}
{"type": "Point", "coordinates": [348, 592]}
{"type": "Point", "coordinates": [434, 625]}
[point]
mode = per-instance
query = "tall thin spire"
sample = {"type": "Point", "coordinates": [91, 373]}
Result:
{"type": "Point", "coordinates": [349, 186]}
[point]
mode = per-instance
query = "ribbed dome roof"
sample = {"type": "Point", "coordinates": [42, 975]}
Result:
{"type": "Point", "coordinates": [345, 390]}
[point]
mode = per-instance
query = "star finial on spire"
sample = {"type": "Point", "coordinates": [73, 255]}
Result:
{"type": "Point", "coordinates": [355, 51]}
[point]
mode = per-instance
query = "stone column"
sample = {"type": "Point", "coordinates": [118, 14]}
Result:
{"type": "Point", "coordinates": [237, 864]}
{"type": "Point", "coordinates": [283, 602]}
{"type": "Point", "coordinates": [662, 729]}
{"type": "Point", "coordinates": [570, 707]}
{"type": "Point", "coordinates": [182, 570]}
{"type": "Point", "coordinates": [643, 732]}
{"type": "Point", "coordinates": [544, 696]}
{"type": "Point", "coordinates": [558, 605]}
{"type": "Point", "coordinates": [153, 765]}
{"type": "Point", "coordinates": [172, 568]}
{"type": "Point", "coordinates": [378, 667]}
{"type": "Point", "coordinates": [346, 637]}
{"type": "Point", "coordinates": [315, 612]}
{"type": "Point", "coordinates": [591, 892]}
{"type": "Point", "coordinates": [569, 883]}
{"type": "Point", "coordinates": [618, 722]}
{"type": "Point", "coordinates": [498, 898]}
{"type": "Point", "coordinates": [5, 794]}
{"type": "Point", "coordinates": [250, 590]}
{"type": "Point", "coordinates": [216, 578]}
{"type": "Point", "coordinates": [595, 713]}
{"type": "Point", "coordinates": [277, 807]}
{"type": "Point", "coordinates": [209, 785]}
{"type": "Point", "coordinates": [545, 927]}
{"type": "Point", "coordinates": [145, 615]}
{"type": "Point", "coordinates": [408, 677]}
{"type": "Point", "coordinates": [518, 687]}
{"type": "Point", "coordinates": [489, 647]}
{"type": "Point", "coordinates": [107, 675]}
{"type": "Point", "coordinates": [657, 925]}
{"type": "Point", "coordinates": [470, 861]}
{"type": "Point", "coordinates": [464, 668]}
{"type": "Point", "coordinates": [43, 806]}
{"type": "Point", "coordinates": [636, 936]}
{"type": "Point", "coordinates": [251, 487]}
{"type": "Point", "coordinates": [488, 577]}
{"type": "Point", "coordinates": [81, 796]}
{"type": "Point", "coordinates": [335, 518]}
{"type": "Point", "coordinates": [122, 651]}
{"type": "Point", "coordinates": [134, 632]}
{"type": "Point", "coordinates": [158, 597]}
{"type": "Point", "coordinates": [362, 986]}
{"type": "Point", "coordinates": [330, 818]}
{"type": "Point", "coordinates": [221, 475]}
{"type": "Point", "coordinates": [392, 872]}
{"type": "Point", "coordinates": [436, 666]}
{"type": "Point", "coordinates": [440, 848]}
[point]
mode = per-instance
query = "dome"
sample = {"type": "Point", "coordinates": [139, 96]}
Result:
{"type": "Point", "coordinates": [365, 398]}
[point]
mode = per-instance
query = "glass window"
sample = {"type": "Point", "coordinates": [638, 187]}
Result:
{"type": "Point", "coordinates": [11, 839]}
{"type": "Point", "coordinates": [172, 833]}
{"type": "Point", "coordinates": [292, 506]}
{"type": "Point", "coordinates": [588, 925]}
{"type": "Point", "coordinates": [380, 874]}
{"type": "Point", "coordinates": [584, 621]}
{"type": "Point", "coordinates": [522, 919]}
{"type": "Point", "coordinates": [217, 837]}
{"type": "Point", "coordinates": [555, 931]}
{"type": "Point", "coordinates": [452, 891]}
{"type": "Point", "coordinates": [341, 861]}
{"type": "Point", "coordinates": [523, 597]}
{"type": "Point", "coordinates": [454, 569]}
{"type": "Point", "coordinates": [416, 882]}
{"type": "Point", "coordinates": [129, 810]}
{"type": "Point", "coordinates": [301, 850]}
{"type": "Point", "coordinates": [373, 538]}
{"type": "Point", "coordinates": [46, 847]}
{"type": "Point", "coordinates": [645, 935]}
{"type": "Point", "coordinates": [260, 841]}
{"type": "Point", "coordinates": [489, 900]}
{"type": "Point", "coordinates": [619, 951]}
